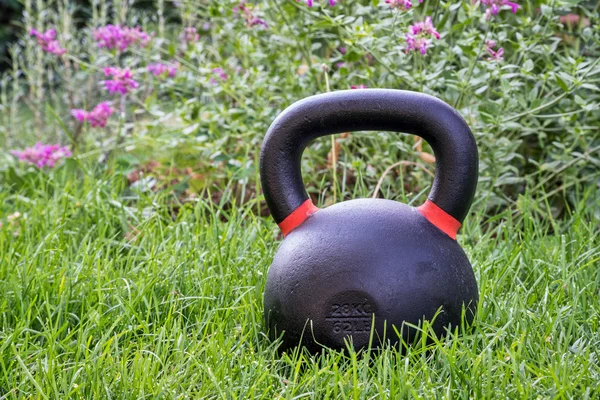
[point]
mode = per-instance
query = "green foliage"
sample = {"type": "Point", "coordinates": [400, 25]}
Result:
{"type": "Point", "coordinates": [535, 113]}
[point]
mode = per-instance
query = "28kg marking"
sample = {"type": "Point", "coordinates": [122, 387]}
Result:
{"type": "Point", "coordinates": [350, 310]}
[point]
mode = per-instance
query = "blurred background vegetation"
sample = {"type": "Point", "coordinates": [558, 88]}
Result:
{"type": "Point", "coordinates": [11, 17]}
{"type": "Point", "coordinates": [534, 114]}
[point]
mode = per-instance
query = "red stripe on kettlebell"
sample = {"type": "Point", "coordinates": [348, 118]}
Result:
{"type": "Point", "coordinates": [297, 217]}
{"type": "Point", "coordinates": [440, 218]}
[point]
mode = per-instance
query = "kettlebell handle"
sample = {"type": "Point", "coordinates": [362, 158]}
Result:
{"type": "Point", "coordinates": [369, 110]}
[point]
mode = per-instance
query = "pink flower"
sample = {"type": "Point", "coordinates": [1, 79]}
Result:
{"type": "Point", "coordinates": [48, 42]}
{"type": "Point", "coordinates": [190, 35]}
{"type": "Point", "coordinates": [361, 86]}
{"type": "Point", "coordinates": [220, 73]}
{"type": "Point", "coordinates": [310, 2]}
{"type": "Point", "coordinates": [79, 114]}
{"type": "Point", "coordinates": [43, 155]}
{"type": "Point", "coordinates": [120, 38]}
{"type": "Point", "coordinates": [493, 6]}
{"type": "Point", "coordinates": [490, 43]}
{"type": "Point", "coordinates": [404, 5]}
{"type": "Point", "coordinates": [159, 69]}
{"type": "Point", "coordinates": [417, 37]}
{"type": "Point", "coordinates": [425, 28]}
{"type": "Point", "coordinates": [497, 55]}
{"type": "Point", "coordinates": [416, 43]}
{"type": "Point", "coordinates": [97, 117]}
{"type": "Point", "coordinates": [121, 82]}
{"type": "Point", "coordinates": [249, 17]}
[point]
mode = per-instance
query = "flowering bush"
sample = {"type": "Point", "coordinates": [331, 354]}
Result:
{"type": "Point", "coordinates": [120, 38]}
{"type": "Point", "coordinates": [310, 3]}
{"type": "Point", "coordinates": [160, 69]}
{"type": "Point", "coordinates": [495, 55]}
{"type": "Point", "coordinates": [121, 80]}
{"type": "Point", "coordinates": [48, 42]}
{"type": "Point", "coordinates": [190, 35]}
{"type": "Point", "coordinates": [404, 5]}
{"type": "Point", "coordinates": [97, 117]}
{"type": "Point", "coordinates": [218, 73]}
{"type": "Point", "coordinates": [249, 17]}
{"type": "Point", "coordinates": [493, 6]}
{"type": "Point", "coordinates": [202, 92]}
{"type": "Point", "coordinates": [418, 36]}
{"type": "Point", "coordinates": [43, 155]}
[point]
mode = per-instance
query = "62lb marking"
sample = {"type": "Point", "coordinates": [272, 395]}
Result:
{"type": "Point", "coordinates": [350, 318]}
{"type": "Point", "coordinates": [352, 326]}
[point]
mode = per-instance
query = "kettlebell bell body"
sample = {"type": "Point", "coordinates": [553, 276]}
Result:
{"type": "Point", "coordinates": [359, 270]}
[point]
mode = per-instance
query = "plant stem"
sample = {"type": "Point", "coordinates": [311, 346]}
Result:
{"type": "Point", "coordinates": [472, 67]}
{"type": "Point", "coordinates": [333, 147]}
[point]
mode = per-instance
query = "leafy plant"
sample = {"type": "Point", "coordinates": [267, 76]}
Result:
{"type": "Point", "coordinates": [529, 94]}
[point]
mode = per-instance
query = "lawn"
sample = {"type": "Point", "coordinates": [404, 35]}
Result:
{"type": "Point", "coordinates": [134, 236]}
{"type": "Point", "coordinates": [104, 300]}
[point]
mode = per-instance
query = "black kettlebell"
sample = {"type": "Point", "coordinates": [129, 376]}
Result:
{"type": "Point", "coordinates": [367, 263]}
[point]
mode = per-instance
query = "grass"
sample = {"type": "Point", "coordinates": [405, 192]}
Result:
{"type": "Point", "coordinates": [105, 297]}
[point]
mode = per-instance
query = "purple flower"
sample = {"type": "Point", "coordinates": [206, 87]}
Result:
{"type": "Point", "coordinates": [425, 28]}
{"type": "Point", "coordinates": [48, 42]}
{"type": "Point", "coordinates": [97, 117]}
{"type": "Point", "coordinates": [417, 37]}
{"type": "Point", "coordinates": [361, 86]}
{"type": "Point", "coordinates": [162, 70]}
{"type": "Point", "coordinates": [220, 73]}
{"type": "Point", "coordinates": [493, 6]}
{"type": "Point", "coordinates": [416, 43]}
{"type": "Point", "coordinates": [121, 82]}
{"type": "Point", "coordinates": [43, 155]}
{"type": "Point", "coordinates": [249, 17]}
{"type": "Point", "coordinates": [190, 35]}
{"type": "Point", "coordinates": [79, 114]}
{"type": "Point", "coordinates": [120, 38]}
{"type": "Point", "coordinates": [404, 5]}
{"type": "Point", "coordinates": [497, 55]}
{"type": "Point", "coordinates": [490, 43]}
{"type": "Point", "coordinates": [310, 2]}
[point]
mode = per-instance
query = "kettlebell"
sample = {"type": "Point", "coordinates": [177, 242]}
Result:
{"type": "Point", "coordinates": [363, 271]}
